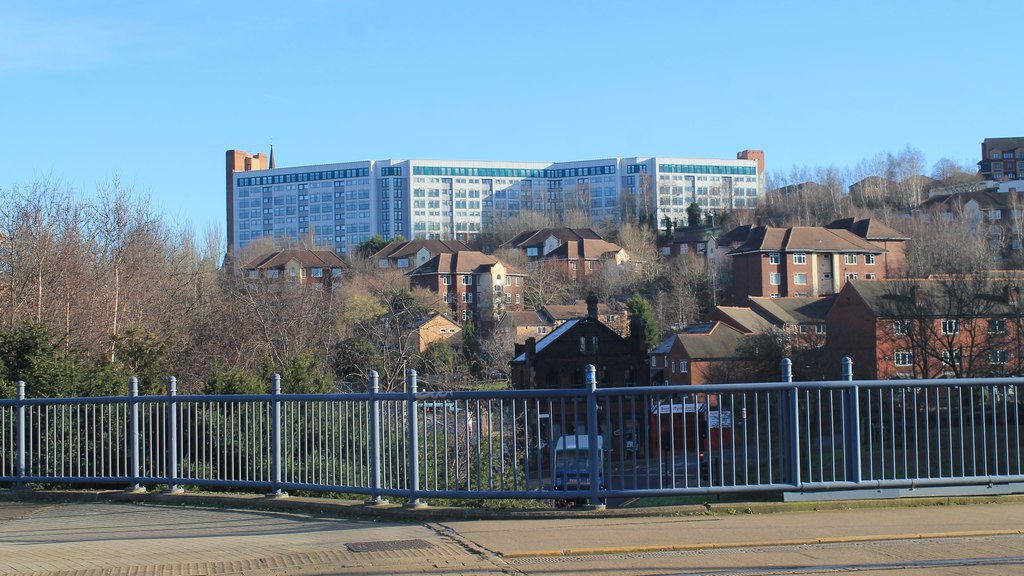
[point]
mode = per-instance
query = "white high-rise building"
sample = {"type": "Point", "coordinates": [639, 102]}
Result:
{"type": "Point", "coordinates": [338, 206]}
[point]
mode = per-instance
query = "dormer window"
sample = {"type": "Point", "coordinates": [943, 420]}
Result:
{"type": "Point", "coordinates": [532, 251]}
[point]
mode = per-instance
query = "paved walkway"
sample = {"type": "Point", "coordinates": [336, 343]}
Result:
{"type": "Point", "coordinates": [114, 539]}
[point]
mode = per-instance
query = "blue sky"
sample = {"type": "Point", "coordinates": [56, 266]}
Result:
{"type": "Point", "coordinates": [154, 93]}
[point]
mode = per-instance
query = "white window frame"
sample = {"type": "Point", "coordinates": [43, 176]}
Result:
{"type": "Point", "coordinates": [467, 280]}
{"type": "Point", "coordinates": [684, 366]}
{"type": "Point", "coordinates": [998, 357]}
{"type": "Point", "coordinates": [997, 326]}
{"type": "Point", "coordinates": [849, 259]}
{"type": "Point", "coordinates": [950, 326]}
{"type": "Point", "coordinates": [797, 280]}
{"type": "Point", "coordinates": [901, 327]}
{"type": "Point", "coordinates": [903, 358]}
{"type": "Point", "coordinates": [774, 258]}
{"type": "Point", "coordinates": [774, 278]}
{"type": "Point", "coordinates": [799, 258]}
{"type": "Point", "coordinates": [869, 259]}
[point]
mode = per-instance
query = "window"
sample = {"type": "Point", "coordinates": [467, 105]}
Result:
{"type": "Point", "coordinates": [684, 366]}
{"type": "Point", "coordinates": [903, 358]}
{"type": "Point", "coordinates": [997, 326]}
{"type": "Point", "coordinates": [335, 272]}
{"type": "Point", "coordinates": [467, 280]}
{"type": "Point", "coordinates": [403, 262]}
{"type": "Point", "coordinates": [774, 295]}
{"type": "Point", "coordinates": [444, 297]}
{"type": "Point", "coordinates": [272, 273]}
{"type": "Point", "coordinates": [850, 258]}
{"type": "Point", "coordinates": [995, 214]}
{"type": "Point", "coordinates": [446, 280]}
{"type": "Point", "coordinates": [821, 328]}
{"type": "Point", "coordinates": [467, 296]}
{"type": "Point", "coordinates": [951, 357]}
{"type": "Point", "coordinates": [950, 326]}
{"type": "Point", "coordinates": [901, 327]}
{"type": "Point", "coordinates": [317, 273]}
{"type": "Point", "coordinates": [803, 329]}
{"type": "Point", "coordinates": [800, 258]}
{"type": "Point", "coordinates": [850, 276]}
{"type": "Point", "coordinates": [998, 357]}
{"type": "Point", "coordinates": [775, 278]}
{"type": "Point", "coordinates": [531, 251]}
{"type": "Point", "coordinates": [869, 276]}
{"type": "Point", "coordinates": [869, 259]}
{"type": "Point", "coordinates": [800, 278]}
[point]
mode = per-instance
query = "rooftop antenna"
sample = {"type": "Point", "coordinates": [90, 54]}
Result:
{"type": "Point", "coordinates": [272, 163]}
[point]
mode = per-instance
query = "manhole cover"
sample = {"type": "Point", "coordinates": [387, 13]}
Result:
{"type": "Point", "coordinates": [388, 545]}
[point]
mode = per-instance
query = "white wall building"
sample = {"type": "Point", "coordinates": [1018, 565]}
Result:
{"type": "Point", "coordinates": [338, 206]}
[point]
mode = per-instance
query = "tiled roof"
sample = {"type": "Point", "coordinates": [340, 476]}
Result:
{"type": "Point", "coordinates": [884, 297]}
{"type": "Point", "coordinates": [551, 337]}
{"type": "Point", "coordinates": [307, 258]}
{"type": "Point", "coordinates": [798, 310]}
{"type": "Point", "coordinates": [462, 262]}
{"type": "Point", "coordinates": [537, 237]}
{"type": "Point", "coordinates": [805, 239]}
{"type": "Point", "coordinates": [576, 310]}
{"type": "Point", "coordinates": [751, 321]}
{"type": "Point", "coordinates": [713, 341]}
{"type": "Point", "coordinates": [867, 228]}
{"type": "Point", "coordinates": [411, 247]}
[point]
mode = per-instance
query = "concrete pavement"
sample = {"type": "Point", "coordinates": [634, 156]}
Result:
{"type": "Point", "coordinates": [301, 536]}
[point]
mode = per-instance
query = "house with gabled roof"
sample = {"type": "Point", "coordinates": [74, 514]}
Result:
{"type": "Point", "coordinates": [315, 268]}
{"type": "Point", "coordinates": [412, 253]}
{"type": "Point", "coordinates": [559, 361]}
{"type": "Point", "coordinates": [993, 210]}
{"type": "Point", "coordinates": [578, 252]}
{"type": "Point", "coordinates": [698, 354]}
{"type": "Point", "coordinates": [477, 287]}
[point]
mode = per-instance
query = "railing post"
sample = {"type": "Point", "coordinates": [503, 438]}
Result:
{"type": "Point", "coordinates": [172, 437]}
{"type": "Point", "coordinates": [793, 424]}
{"type": "Point", "coordinates": [593, 446]}
{"type": "Point", "coordinates": [414, 444]}
{"type": "Point", "coordinates": [20, 472]}
{"type": "Point", "coordinates": [375, 473]}
{"type": "Point", "coordinates": [133, 439]}
{"type": "Point", "coordinates": [852, 433]}
{"type": "Point", "coordinates": [275, 439]}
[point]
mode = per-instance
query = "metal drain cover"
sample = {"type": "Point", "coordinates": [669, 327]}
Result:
{"type": "Point", "coordinates": [388, 545]}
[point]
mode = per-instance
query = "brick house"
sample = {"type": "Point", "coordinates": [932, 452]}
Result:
{"type": "Point", "coordinates": [577, 252]}
{"type": "Point", "coordinates": [559, 361]}
{"type": "Point", "coordinates": [413, 253]}
{"type": "Point", "coordinates": [433, 328]}
{"type": "Point", "coordinates": [808, 261]}
{"type": "Point", "coordinates": [314, 268]}
{"type": "Point", "coordinates": [928, 328]}
{"type": "Point", "coordinates": [700, 354]}
{"type": "Point", "coordinates": [477, 287]}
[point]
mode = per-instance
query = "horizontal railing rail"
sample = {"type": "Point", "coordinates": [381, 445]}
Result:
{"type": "Point", "coordinates": [582, 444]}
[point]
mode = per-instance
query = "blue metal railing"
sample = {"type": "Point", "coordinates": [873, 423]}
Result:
{"type": "Point", "coordinates": [415, 446]}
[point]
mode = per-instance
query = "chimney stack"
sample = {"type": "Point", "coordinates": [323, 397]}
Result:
{"type": "Point", "coordinates": [592, 305]}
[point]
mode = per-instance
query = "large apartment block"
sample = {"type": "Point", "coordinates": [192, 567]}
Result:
{"type": "Point", "coordinates": [341, 205]}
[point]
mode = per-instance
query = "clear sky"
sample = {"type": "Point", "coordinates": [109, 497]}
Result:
{"type": "Point", "coordinates": [155, 92]}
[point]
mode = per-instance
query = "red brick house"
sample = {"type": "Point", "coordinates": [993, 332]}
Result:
{"type": "Point", "coordinates": [314, 268]}
{"type": "Point", "coordinates": [700, 354]}
{"type": "Point", "coordinates": [577, 252]}
{"type": "Point", "coordinates": [477, 287]}
{"type": "Point", "coordinates": [559, 360]}
{"type": "Point", "coordinates": [929, 328]}
{"type": "Point", "coordinates": [806, 261]}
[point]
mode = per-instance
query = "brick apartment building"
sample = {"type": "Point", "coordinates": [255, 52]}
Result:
{"type": "Point", "coordinates": [1002, 159]}
{"type": "Point", "coordinates": [929, 328]}
{"type": "Point", "coordinates": [477, 287]}
{"type": "Point", "coordinates": [813, 261]}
